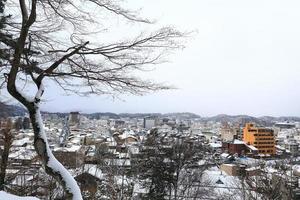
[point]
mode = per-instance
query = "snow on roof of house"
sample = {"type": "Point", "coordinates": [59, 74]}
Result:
{"type": "Point", "coordinates": [72, 148]}
{"type": "Point", "coordinates": [253, 168]}
{"type": "Point", "coordinates": [21, 178]}
{"type": "Point", "coordinates": [4, 195]}
{"type": "Point", "coordinates": [285, 123]}
{"type": "Point", "coordinates": [110, 139]}
{"type": "Point", "coordinates": [94, 170]}
{"type": "Point", "coordinates": [296, 170]}
{"type": "Point", "coordinates": [202, 162]}
{"type": "Point", "coordinates": [247, 161]}
{"type": "Point", "coordinates": [224, 155]}
{"type": "Point", "coordinates": [229, 164]}
{"type": "Point", "coordinates": [215, 145]}
{"type": "Point", "coordinates": [21, 142]}
{"type": "Point", "coordinates": [123, 155]}
{"type": "Point", "coordinates": [75, 140]}
{"type": "Point", "coordinates": [91, 153]}
{"type": "Point", "coordinates": [138, 188]}
{"type": "Point", "coordinates": [279, 147]}
{"type": "Point", "coordinates": [29, 133]}
{"type": "Point", "coordinates": [12, 171]}
{"type": "Point", "coordinates": [118, 162]}
{"type": "Point", "coordinates": [23, 154]}
{"type": "Point", "coordinates": [253, 148]}
{"type": "Point", "coordinates": [213, 175]}
{"type": "Point", "coordinates": [134, 149]}
{"type": "Point", "coordinates": [127, 134]}
{"type": "Point", "coordinates": [238, 142]}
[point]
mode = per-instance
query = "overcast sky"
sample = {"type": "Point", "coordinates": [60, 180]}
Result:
{"type": "Point", "coordinates": [243, 59]}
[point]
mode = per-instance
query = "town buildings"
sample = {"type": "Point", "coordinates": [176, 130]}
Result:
{"type": "Point", "coordinates": [110, 151]}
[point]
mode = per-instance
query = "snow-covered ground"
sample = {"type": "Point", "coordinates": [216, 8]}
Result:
{"type": "Point", "coordinates": [6, 196]}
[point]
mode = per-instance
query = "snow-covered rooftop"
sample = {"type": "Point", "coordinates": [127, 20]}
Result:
{"type": "Point", "coordinates": [215, 145]}
{"type": "Point", "coordinates": [23, 154]}
{"type": "Point", "coordinates": [253, 148]}
{"type": "Point", "coordinates": [238, 142]}
{"type": "Point", "coordinates": [72, 148]}
{"type": "Point", "coordinates": [21, 142]}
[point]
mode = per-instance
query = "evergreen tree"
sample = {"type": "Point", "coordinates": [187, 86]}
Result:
{"type": "Point", "coordinates": [2, 17]}
{"type": "Point", "coordinates": [4, 37]}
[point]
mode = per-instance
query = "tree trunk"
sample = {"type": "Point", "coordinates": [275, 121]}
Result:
{"type": "Point", "coordinates": [52, 166]}
{"type": "Point", "coordinates": [4, 160]}
{"type": "Point", "coordinates": [7, 139]}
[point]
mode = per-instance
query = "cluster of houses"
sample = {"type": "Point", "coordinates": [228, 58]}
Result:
{"type": "Point", "coordinates": [80, 143]}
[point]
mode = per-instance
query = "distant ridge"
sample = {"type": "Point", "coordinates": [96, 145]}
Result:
{"type": "Point", "coordinates": [224, 117]}
{"type": "Point", "coordinates": [11, 110]}
{"type": "Point", "coordinates": [182, 115]}
{"type": "Point", "coordinates": [99, 115]}
{"type": "Point", "coordinates": [242, 119]}
{"type": "Point", "coordinates": [239, 119]}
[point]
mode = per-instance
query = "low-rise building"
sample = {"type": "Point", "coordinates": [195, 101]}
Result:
{"type": "Point", "coordinates": [234, 147]}
{"type": "Point", "coordinates": [71, 157]}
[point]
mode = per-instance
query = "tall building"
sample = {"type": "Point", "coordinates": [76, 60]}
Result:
{"type": "Point", "coordinates": [26, 123]}
{"type": "Point", "coordinates": [229, 133]}
{"type": "Point", "coordinates": [150, 122]}
{"type": "Point", "coordinates": [74, 118]}
{"type": "Point", "coordinates": [261, 138]}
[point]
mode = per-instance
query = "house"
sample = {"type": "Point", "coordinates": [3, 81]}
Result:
{"type": "Point", "coordinates": [234, 147]}
{"type": "Point", "coordinates": [71, 157]}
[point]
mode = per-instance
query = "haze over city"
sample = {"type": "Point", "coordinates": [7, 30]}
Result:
{"type": "Point", "coordinates": [242, 58]}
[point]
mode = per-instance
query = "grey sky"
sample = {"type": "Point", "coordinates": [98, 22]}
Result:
{"type": "Point", "coordinates": [244, 59]}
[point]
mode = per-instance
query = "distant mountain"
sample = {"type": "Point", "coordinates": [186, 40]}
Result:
{"type": "Point", "coordinates": [139, 115]}
{"type": "Point", "coordinates": [100, 115]}
{"type": "Point", "coordinates": [184, 115]}
{"type": "Point", "coordinates": [268, 118]}
{"type": "Point", "coordinates": [242, 119]}
{"type": "Point", "coordinates": [238, 119]}
{"type": "Point", "coordinates": [288, 118]}
{"type": "Point", "coordinates": [11, 110]}
{"type": "Point", "coordinates": [181, 115]}
{"type": "Point", "coordinates": [60, 115]}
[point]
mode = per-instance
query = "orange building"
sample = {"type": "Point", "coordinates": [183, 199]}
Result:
{"type": "Point", "coordinates": [261, 138]}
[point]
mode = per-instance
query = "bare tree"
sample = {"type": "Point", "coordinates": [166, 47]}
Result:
{"type": "Point", "coordinates": [270, 182]}
{"type": "Point", "coordinates": [116, 183]}
{"type": "Point", "coordinates": [169, 168]}
{"type": "Point", "coordinates": [60, 41]}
